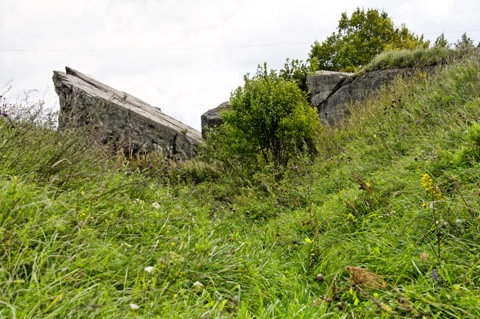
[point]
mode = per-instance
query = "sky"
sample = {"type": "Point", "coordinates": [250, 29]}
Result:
{"type": "Point", "coordinates": [186, 56]}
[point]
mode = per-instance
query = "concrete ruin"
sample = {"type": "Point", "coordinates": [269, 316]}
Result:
{"type": "Point", "coordinates": [117, 118]}
{"type": "Point", "coordinates": [331, 92]}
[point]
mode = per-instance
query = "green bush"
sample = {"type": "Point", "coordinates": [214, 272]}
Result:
{"type": "Point", "coordinates": [270, 122]}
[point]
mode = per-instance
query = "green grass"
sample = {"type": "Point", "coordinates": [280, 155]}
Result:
{"type": "Point", "coordinates": [79, 226]}
{"type": "Point", "coordinates": [399, 59]}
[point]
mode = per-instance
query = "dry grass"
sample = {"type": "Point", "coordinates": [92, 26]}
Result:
{"type": "Point", "coordinates": [365, 278]}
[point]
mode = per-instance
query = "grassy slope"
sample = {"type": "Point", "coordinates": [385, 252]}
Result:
{"type": "Point", "coordinates": [78, 229]}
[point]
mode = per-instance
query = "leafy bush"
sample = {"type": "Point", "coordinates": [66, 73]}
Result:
{"type": "Point", "coordinates": [269, 122]}
{"type": "Point", "coordinates": [297, 71]}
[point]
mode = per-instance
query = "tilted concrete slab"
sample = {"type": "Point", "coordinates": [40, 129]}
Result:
{"type": "Point", "coordinates": [116, 117]}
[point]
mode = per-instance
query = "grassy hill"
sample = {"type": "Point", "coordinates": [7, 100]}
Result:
{"type": "Point", "coordinates": [383, 224]}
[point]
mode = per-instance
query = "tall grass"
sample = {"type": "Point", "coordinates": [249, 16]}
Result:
{"type": "Point", "coordinates": [419, 58]}
{"type": "Point", "coordinates": [383, 224]}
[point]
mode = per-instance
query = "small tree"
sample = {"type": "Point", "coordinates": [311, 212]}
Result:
{"type": "Point", "coordinates": [269, 121]}
{"type": "Point", "coordinates": [359, 38]}
{"type": "Point", "coordinates": [465, 43]}
{"type": "Point", "coordinates": [441, 42]}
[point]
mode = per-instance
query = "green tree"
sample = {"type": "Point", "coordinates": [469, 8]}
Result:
{"type": "Point", "coordinates": [441, 42]}
{"type": "Point", "coordinates": [359, 38]}
{"type": "Point", "coordinates": [270, 121]}
{"type": "Point", "coordinates": [465, 43]}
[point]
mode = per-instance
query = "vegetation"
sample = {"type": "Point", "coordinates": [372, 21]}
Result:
{"type": "Point", "coordinates": [297, 71]}
{"type": "Point", "coordinates": [440, 53]}
{"type": "Point", "coordinates": [369, 41]}
{"type": "Point", "coordinates": [419, 58]}
{"type": "Point", "coordinates": [280, 218]}
{"type": "Point", "coordinates": [465, 43]}
{"type": "Point", "coordinates": [384, 222]}
{"type": "Point", "coordinates": [359, 38]}
{"type": "Point", "coordinates": [270, 119]}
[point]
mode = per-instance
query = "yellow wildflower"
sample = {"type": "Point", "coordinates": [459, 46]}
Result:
{"type": "Point", "coordinates": [429, 185]}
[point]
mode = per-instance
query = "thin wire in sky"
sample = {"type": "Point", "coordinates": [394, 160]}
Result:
{"type": "Point", "coordinates": [232, 46]}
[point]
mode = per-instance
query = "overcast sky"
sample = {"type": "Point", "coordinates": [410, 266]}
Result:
{"type": "Point", "coordinates": [186, 56]}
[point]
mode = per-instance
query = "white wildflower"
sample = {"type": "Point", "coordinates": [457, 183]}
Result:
{"type": "Point", "coordinates": [149, 269]}
{"type": "Point", "coordinates": [134, 306]}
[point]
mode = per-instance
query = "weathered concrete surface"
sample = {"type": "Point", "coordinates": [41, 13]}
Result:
{"type": "Point", "coordinates": [325, 83]}
{"type": "Point", "coordinates": [332, 106]}
{"type": "Point", "coordinates": [118, 118]}
{"type": "Point", "coordinates": [212, 118]}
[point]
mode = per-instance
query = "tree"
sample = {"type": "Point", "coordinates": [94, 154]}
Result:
{"type": "Point", "coordinates": [441, 42]}
{"type": "Point", "coordinates": [270, 121]}
{"type": "Point", "coordinates": [359, 38]}
{"type": "Point", "coordinates": [465, 43]}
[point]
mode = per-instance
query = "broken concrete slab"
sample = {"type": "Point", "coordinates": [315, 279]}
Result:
{"type": "Point", "coordinates": [115, 117]}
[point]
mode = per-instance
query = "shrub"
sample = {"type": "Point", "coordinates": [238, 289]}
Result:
{"type": "Point", "coordinates": [269, 122]}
